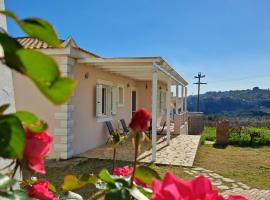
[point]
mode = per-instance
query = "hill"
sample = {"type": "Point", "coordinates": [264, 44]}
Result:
{"type": "Point", "coordinates": [235, 103]}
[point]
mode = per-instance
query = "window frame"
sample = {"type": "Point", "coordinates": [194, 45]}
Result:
{"type": "Point", "coordinates": [107, 115]}
{"type": "Point", "coordinates": [118, 95]}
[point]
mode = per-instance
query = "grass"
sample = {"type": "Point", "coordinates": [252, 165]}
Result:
{"type": "Point", "coordinates": [56, 170]}
{"type": "Point", "coordinates": [209, 134]}
{"type": "Point", "coordinates": [248, 165]}
{"type": "Point", "coordinates": [242, 139]}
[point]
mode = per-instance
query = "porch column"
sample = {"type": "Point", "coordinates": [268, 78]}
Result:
{"type": "Point", "coordinates": [168, 102]}
{"type": "Point", "coordinates": [154, 113]}
{"type": "Point", "coordinates": [182, 98]}
{"type": "Point", "coordinates": [177, 98]}
{"type": "Point", "coordinates": [186, 99]}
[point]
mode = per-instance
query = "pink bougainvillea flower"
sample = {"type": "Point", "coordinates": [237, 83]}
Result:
{"type": "Point", "coordinates": [37, 146]}
{"type": "Point", "coordinates": [139, 121]}
{"type": "Point", "coordinates": [127, 171]}
{"type": "Point", "coordinates": [39, 190]}
{"type": "Point", "coordinates": [174, 188]}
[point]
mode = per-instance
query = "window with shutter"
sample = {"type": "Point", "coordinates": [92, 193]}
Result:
{"type": "Point", "coordinates": [114, 100]}
{"type": "Point", "coordinates": [120, 95]}
{"type": "Point", "coordinates": [99, 100]}
{"type": "Point", "coordinates": [104, 102]}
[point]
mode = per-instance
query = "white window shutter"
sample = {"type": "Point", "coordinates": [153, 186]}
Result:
{"type": "Point", "coordinates": [114, 100]}
{"type": "Point", "coordinates": [109, 101]}
{"type": "Point", "coordinates": [98, 100]}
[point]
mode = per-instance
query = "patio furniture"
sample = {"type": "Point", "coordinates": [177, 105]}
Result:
{"type": "Point", "coordinates": [124, 125]}
{"type": "Point", "coordinates": [149, 132]}
{"type": "Point", "coordinates": [111, 130]}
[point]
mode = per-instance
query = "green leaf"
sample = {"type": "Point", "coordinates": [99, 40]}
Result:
{"type": "Point", "coordinates": [105, 176]}
{"type": "Point", "coordinates": [93, 180]}
{"type": "Point", "coordinates": [10, 46]}
{"type": "Point", "coordinates": [3, 108]}
{"type": "Point", "coordinates": [6, 182]}
{"type": "Point", "coordinates": [137, 194]}
{"type": "Point", "coordinates": [117, 194]}
{"type": "Point", "coordinates": [44, 72]}
{"type": "Point", "coordinates": [13, 195]}
{"type": "Point", "coordinates": [88, 178]}
{"type": "Point", "coordinates": [8, 43]}
{"type": "Point", "coordinates": [72, 183]}
{"type": "Point", "coordinates": [38, 66]}
{"type": "Point", "coordinates": [52, 188]}
{"type": "Point", "coordinates": [12, 136]}
{"type": "Point", "coordinates": [31, 121]}
{"type": "Point", "coordinates": [9, 13]}
{"type": "Point", "coordinates": [27, 182]}
{"type": "Point", "coordinates": [60, 91]}
{"type": "Point", "coordinates": [72, 196]}
{"type": "Point", "coordinates": [37, 28]}
{"type": "Point", "coordinates": [146, 174]}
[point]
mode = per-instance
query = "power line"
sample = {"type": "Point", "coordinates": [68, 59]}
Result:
{"type": "Point", "coordinates": [199, 83]}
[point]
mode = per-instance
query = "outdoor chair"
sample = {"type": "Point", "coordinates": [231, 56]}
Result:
{"type": "Point", "coordinates": [111, 130]}
{"type": "Point", "coordinates": [149, 132]}
{"type": "Point", "coordinates": [124, 125]}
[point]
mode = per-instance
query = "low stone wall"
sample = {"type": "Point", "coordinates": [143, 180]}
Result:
{"type": "Point", "coordinates": [181, 123]}
{"type": "Point", "coordinates": [195, 123]}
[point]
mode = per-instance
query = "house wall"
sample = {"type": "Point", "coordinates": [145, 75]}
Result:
{"type": "Point", "coordinates": [145, 100]}
{"type": "Point", "coordinates": [29, 98]}
{"type": "Point", "coordinates": [89, 132]}
{"type": "Point", "coordinates": [74, 125]}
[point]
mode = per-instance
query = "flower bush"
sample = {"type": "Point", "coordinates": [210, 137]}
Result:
{"type": "Point", "coordinates": [39, 190]}
{"type": "Point", "coordinates": [24, 138]}
{"type": "Point", "coordinates": [39, 142]}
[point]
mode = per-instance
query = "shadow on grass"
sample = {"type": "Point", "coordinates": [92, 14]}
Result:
{"type": "Point", "coordinates": [223, 146]}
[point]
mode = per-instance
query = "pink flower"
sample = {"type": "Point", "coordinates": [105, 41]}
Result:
{"type": "Point", "coordinates": [127, 171]}
{"type": "Point", "coordinates": [122, 171]}
{"type": "Point", "coordinates": [39, 190]}
{"type": "Point", "coordinates": [139, 121]}
{"type": "Point", "coordinates": [37, 146]}
{"type": "Point", "coordinates": [174, 188]}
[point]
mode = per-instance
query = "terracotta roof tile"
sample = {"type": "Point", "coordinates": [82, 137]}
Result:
{"type": "Point", "coordinates": [33, 43]}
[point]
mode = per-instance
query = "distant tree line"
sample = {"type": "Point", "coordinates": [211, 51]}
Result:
{"type": "Point", "coordinates": [237, 103]}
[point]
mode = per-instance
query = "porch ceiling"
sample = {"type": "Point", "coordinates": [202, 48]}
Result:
{"type": "Point", "coordinates": [136, 68]}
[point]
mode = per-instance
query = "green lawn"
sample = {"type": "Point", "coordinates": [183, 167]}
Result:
{"type": "Point", "coordinates": [56, 170]}
{"type": "Point", "coordinates": [248, 165]}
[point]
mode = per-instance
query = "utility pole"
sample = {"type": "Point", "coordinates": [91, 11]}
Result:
{"type": "Point", "coordinates": [199, 83]}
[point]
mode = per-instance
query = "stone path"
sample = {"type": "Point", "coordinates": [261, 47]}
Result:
{"type": "Point", "coordinates": [229, 186]}
{"type": "Point", "coordinates": [180, 152]}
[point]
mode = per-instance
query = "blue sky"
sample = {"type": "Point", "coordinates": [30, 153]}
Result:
{"type": "Point", "coordinates": [227, 40]}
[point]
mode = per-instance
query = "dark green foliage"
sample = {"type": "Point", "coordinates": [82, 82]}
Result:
{"type": "Point", "coordinates": [238, 103]}
{"type": "Point", "coordinates": [241, 136]}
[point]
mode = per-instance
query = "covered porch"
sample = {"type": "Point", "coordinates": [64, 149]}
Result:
{"type": "Point", "coordinates": [156, 71]}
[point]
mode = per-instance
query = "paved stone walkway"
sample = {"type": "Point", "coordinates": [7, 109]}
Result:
{"type": "Point", "coordinates": [229, 186]}
{"type": "Point", "coordinates": [180, 152]}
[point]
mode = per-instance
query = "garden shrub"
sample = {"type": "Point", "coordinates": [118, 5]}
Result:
{"type": "Point", "coordinates": [250, 136]}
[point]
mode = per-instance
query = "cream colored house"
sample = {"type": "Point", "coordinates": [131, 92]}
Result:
{"type": "Point", "coordinates": [108, 89]}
